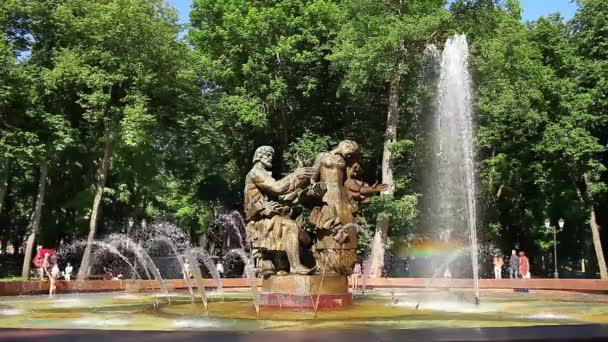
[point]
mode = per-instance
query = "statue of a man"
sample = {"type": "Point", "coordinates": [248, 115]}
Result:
{"type": "Point", "coordinates": [270, 227]}
{"type": "Point", "coordinates": [357, 189]}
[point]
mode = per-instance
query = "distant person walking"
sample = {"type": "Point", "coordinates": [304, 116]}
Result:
{"type": "Point", "coordinates": [220, 268]}
{"type": "Point", "coordinates": [46, 263]}
{"type": "Point", "coordinates": [501, 262]}
{"type": "Point", "coordinates": [187, 272]}
{"type": "Point", "coordinates": [498, 262]}
{"type": "Point", "coordinates": [514, 265]}
{"type": "Point", "coordinates": [53, 274]}
{"type": "Point", "coordinates": [355, 276]}
{"type": "Point", "coordinates": [524, 265]}
{"type": "Point", "coordinates": [67, 272]}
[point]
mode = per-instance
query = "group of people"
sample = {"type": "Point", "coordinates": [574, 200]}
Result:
{"type": "Point", "coordinates": [519, 266]}
{"type": "Point", "coordinates": [50, 268]}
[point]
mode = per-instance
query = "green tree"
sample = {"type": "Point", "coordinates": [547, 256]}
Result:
{"type": "Point", "coordinates": [581, 139]}
{"type": "Point", "coordinates": [119, 57]}
{"type": "Point", "coordinates": [378, 46]}
{"type": "Point", "coordinates": [266, 61]}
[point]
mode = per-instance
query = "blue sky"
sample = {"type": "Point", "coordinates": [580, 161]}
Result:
{"type": "Point", "coordinates": [532, 8]}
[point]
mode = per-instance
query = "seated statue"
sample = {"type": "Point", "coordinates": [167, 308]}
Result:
{"type": "Point", "coordinates": [270, 227]}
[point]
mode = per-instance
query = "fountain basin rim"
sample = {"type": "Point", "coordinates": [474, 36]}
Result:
{"type": "Point", "coordinates": [15, 288]}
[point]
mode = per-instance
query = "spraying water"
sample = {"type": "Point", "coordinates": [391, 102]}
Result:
{"type": "Point", "coordinates": [442, 269]}
{"type": "Point", "coordinates": [143, 257]}
{"type": "Point", "coordinates": [102, 247]}
{"type": "Point", "coordinates": [448, 181]}
{"type": "Point", "coordinates": [198, 277]}
{"type": "Point", "coordinates": [208, 262]}
{"type": "Point", "coordinates": [250, 272]}
{"type": "Point", "coordinates": [116, 252]}
{"type": "Point", "coordinates": [182, 265]}
{"type": "Point", "coordinates": [238, 226]}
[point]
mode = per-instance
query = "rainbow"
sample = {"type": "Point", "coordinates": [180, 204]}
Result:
{"type": "Point", "coordinates": [427, 248]}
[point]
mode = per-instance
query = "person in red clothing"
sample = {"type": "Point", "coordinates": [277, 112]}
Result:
{"type": "Point", "coordinates": [524, 265]}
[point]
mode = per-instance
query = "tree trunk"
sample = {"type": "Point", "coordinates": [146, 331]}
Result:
{"type": "Point", "coordinates": [597, 243]}
{"type": "Point", "coordinates": [3, 187]}
{"type": "Point", "coordinates": [595, 231]}
{"type": "Point", "coordinates": [390, 136]}
{"type": "Point", "coordinates": [35, 222]}
{"type": "Point", "coordinates": [101, 183]}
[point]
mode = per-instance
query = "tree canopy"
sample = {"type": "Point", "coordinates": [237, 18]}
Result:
{"type": "Point", "coordinates": [125, 115]}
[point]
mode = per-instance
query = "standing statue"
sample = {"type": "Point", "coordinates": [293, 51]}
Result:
{"type": "Point", "coordinates": [336, 219]}
{"type": "Point", "coordinates": [337, 225]}
{"type": "Point", "coordinates": [270, 227]}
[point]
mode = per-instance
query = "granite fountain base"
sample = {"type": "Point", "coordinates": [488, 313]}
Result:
{"type": "Point", "coordinates": [306, 292]}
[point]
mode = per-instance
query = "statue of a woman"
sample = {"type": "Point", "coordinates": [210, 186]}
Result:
{"type": "Point", "coordinates": [337, 228]}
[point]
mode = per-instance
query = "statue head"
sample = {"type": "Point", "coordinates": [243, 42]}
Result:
{"type": "Point", "coordinates": [354, 171]}
{"type": "Point", "coordinates": [264, 154]}
{"type": "Point", "coordinates": [348, 149]}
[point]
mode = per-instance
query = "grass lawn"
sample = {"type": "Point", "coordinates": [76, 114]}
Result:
{"type": "Point", "coordinates": [10, 279]}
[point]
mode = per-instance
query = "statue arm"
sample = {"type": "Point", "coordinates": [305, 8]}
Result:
{"type": "Point", "coordinates": [366, 190]}
{"type": "Point", "coordinates": [317, 166]}
{"type": "Point", "coordinates": [361, 191]}
{"type": "Point", "coordinates": [272, 186]}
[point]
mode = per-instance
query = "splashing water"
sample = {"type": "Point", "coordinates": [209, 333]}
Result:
{"type": "Point", "coordinates": [452, 137]}
{"type": "Point", "coordinates": [182, 265]}
{"type": "Point", "coordinates": [208, 262]}
{"type": "Point", "coordinates": [250, 272]}
{"type": "Point", "coordinates": [198, 277]}
{"type": "Point", "coordinates": [233, 221]}
{"type": "Point", "coordinates": [143, 257]}
{"type": "Point", "coordinates": [446, 152]}
{"type": "Point", "coordinates": [103, 246]}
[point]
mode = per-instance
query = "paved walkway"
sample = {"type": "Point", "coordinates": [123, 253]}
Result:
{"type": "Point", "coordinates": [548, 333]}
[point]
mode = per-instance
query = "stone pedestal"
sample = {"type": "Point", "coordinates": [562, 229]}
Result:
{"type": "Point", "coordinates": [303, 291]}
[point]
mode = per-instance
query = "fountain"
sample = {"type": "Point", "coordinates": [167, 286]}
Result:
{"type": "Point", "coordinates": [147, 261]}
{"type": "Point", "coordinates": [66, 249]}
{"type": "Point", "coordinates": [296, 266]}
{"type": "Point", "coordinates": [271, 238]}
{"type": "Point", "coordinates": [196, 271]}
{"type": "Point", "coordinates": [449, 176]}
{"type": "Point", "coordinates": [182, 265]}
{"type": "Point", "coordinates": [200, 252]}
{"type": "Point", "coordinates": [250, 272]}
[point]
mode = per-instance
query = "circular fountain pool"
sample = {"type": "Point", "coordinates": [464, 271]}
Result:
{"type": "Point", "coordinates": [236, 312]}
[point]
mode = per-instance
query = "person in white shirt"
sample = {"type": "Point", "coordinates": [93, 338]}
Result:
{"type": "Point", "coordinates": [187, 272]}
{"type": "Point", "coordinates": [220, 268]}
{"type": "Point", "coordinates": [53, 274]}
{"type": "Point", "coordinates": [55, 271]}
{"type": "Point", "coordinates": [67, 272]}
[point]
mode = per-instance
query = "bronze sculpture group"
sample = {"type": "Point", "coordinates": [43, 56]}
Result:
{"type": "Point", "coordinates": [331, 190]}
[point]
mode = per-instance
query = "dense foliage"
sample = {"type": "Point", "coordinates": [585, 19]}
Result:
{"type": "Point", "coordinates": [123, 116]}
